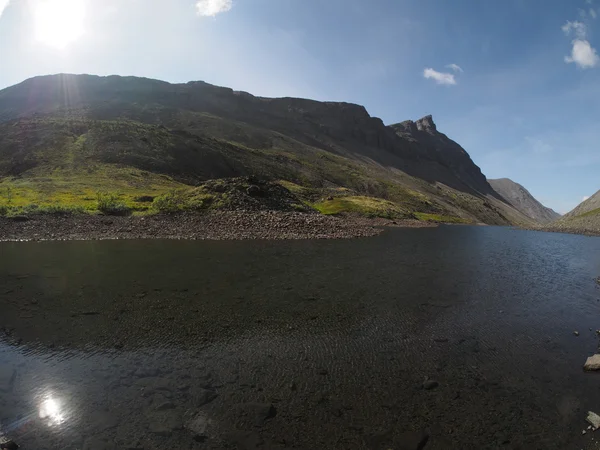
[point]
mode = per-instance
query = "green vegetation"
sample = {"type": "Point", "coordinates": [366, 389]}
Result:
{"type": "Point", "coordinates": [365, 206]}
{"type": "Point", "coordinates": [593, 212]}
{"type": "Point", "coordinates": [439, 218]}
{"type": "Point", "coordinates": [109, 203]}
{"type": "Point", "coordinates": [183, 200]}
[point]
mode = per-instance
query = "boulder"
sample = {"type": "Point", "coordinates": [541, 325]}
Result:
{"type": "Point", "coordinates": [593, 419]}
{"type": "Point", "coordinates": [254, 191]}
{"type": "Point", "coordinates": [592, 363]}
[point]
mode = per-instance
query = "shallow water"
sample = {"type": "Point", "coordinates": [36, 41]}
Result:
{"type": "Point", "coordinates": [161, 344]}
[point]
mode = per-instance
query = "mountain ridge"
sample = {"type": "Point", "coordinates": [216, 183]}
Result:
{"type": "Point", "coordinates": [196, 131]}
{"type": "Point", "coordinates": [519, 197]}
{"type": "Point", "coordinates": [584, 218]}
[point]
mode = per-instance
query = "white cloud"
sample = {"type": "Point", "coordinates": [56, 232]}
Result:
{"type": "Point", "coordinates": [583, 55]}
{"type": "Point", "coordinates": [439, 77]}
{"type": "Point", "coordinates": [593, 13]}
{"type": "Point", "coordinates": [576, 27]}
{"type": "Point", "coordinates": [211, 8]}
{"type": "Point", "coordinates": [3, 5]}
{"type": "Point", "coordinates": [585, 198]}
{"type": "Point", "coordinates": [455, 67]}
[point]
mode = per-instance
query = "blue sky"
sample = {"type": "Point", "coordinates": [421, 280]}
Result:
{"type": "Point", "coordinates": [524, 100]}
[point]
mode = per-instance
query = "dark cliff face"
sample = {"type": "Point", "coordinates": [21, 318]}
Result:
{"type": "Point", "coordinates": [345, 129]}
{"type": "Point", "coordinates": [441, 159]}
{"type": "Point", "coordinates": [523, 201]}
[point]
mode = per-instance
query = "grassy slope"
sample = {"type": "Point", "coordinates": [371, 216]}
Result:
{"type": "Point", "coordinates": [65, 162]}
{"type": "Point", "coordinates": [584, 218]}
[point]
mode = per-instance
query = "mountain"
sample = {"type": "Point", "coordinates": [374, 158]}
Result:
{"type": "Point", "coordinates": [523, 201]}
{"type": "Point", "coordinates": [63, 138]}
{"type": "Point", "coordinates": [585, 218]}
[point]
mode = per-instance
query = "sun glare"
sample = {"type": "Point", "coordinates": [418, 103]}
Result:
{"type": "Point", "coordinates": [59, 23]}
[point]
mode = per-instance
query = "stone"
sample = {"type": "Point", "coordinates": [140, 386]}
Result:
{"type": "Point", "coordinates": [253, 191]}
{"type": "Point", "coordinates": [164, 406]}
{"type": "Point", "coordinates": [592, 363]}
{"type": "Point", "coordinates": [430, 384]}
{"type": "Point", "coordinates": [576, 333]}
{"type": "Point", "coordinates": [593, 419]}
{"type": "Point", "coordinates": [198, 426]}
{"type": "Point", "coordinates": [412, 440]}
{"type": "Point", "coordinates": [201, 396]}
{"type": "Point", "coordinates": [163, 423]}
{"type": "Point", "coordinates": [259, 412]}
{"type": "Point", "coordinates": [7, 378]}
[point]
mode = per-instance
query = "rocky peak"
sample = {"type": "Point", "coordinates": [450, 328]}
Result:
{"type": "Point", "coordinates": [426, 124]}
{"type": "Point", "coordinates": [408, 126]}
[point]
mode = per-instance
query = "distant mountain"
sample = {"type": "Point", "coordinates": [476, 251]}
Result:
{"type": "Point", "coordinates": [585, 218]}
{"type": "Point", "coordinates": [65, 137]}
{"type": "Point", "coordinates": [522, 200]}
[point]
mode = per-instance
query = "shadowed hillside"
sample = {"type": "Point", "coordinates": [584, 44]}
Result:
{"type": "Point", "coordinates": [64, 138]}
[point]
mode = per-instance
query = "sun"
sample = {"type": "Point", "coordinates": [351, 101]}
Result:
{"type": "Point", "coordinates": [59, 23]}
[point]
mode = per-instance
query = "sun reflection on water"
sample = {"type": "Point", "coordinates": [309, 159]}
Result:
{"type": "Point", "coordinates": [51, 410]}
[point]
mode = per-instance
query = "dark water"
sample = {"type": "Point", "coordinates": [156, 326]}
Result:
{"type": "Point", "coordinates": [160, 344]}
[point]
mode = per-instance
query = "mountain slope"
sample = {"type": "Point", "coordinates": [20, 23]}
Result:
{"type": "Point", "coordinates": [585, 218]}
{"type": "Point", "coordinates": [62, 136]}
{"type": "Point", "coordinates": [522, 200]}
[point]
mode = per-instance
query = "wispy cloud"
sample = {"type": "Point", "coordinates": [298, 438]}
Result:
{"type": "Point", "coordinates": [582, 52]}
{"type": "Point", "coordinates": [578, 28]}
{"type": "Point", "coordinates": [210, 8]}
{"type": "Point", "coordinates": [455, 67]}
{"type": "Point", "coordinates": [538, 146]}
{"type": "Point", "coordinates": [593, 13]}
{"type": "Point", "coordinates": [3, 5]}
{"type": "Point", "coordinates": [447, 79]}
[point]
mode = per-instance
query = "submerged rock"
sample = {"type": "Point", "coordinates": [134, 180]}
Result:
{"type": "Point", "coordinates": [198, 426]}
{"type": "Point", "coordinates": [163, 423]}
{"type": "Point", "coordinates": [430, 384]}
{"type": "Point", "coordinates": [592, 363]}
{"type": "Point", "coordinates": [259, 412]}
{"type": "Point", "coordinates": [593, 419]}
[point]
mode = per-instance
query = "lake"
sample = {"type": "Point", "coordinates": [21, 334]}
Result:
{"type": "Point", "coordinates": [456, 337]}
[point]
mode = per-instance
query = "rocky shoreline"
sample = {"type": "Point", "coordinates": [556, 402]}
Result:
{"type": "Point", "coordinates": [566, 230]}
{"type": "Point", "coordinates": [218, 225]}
